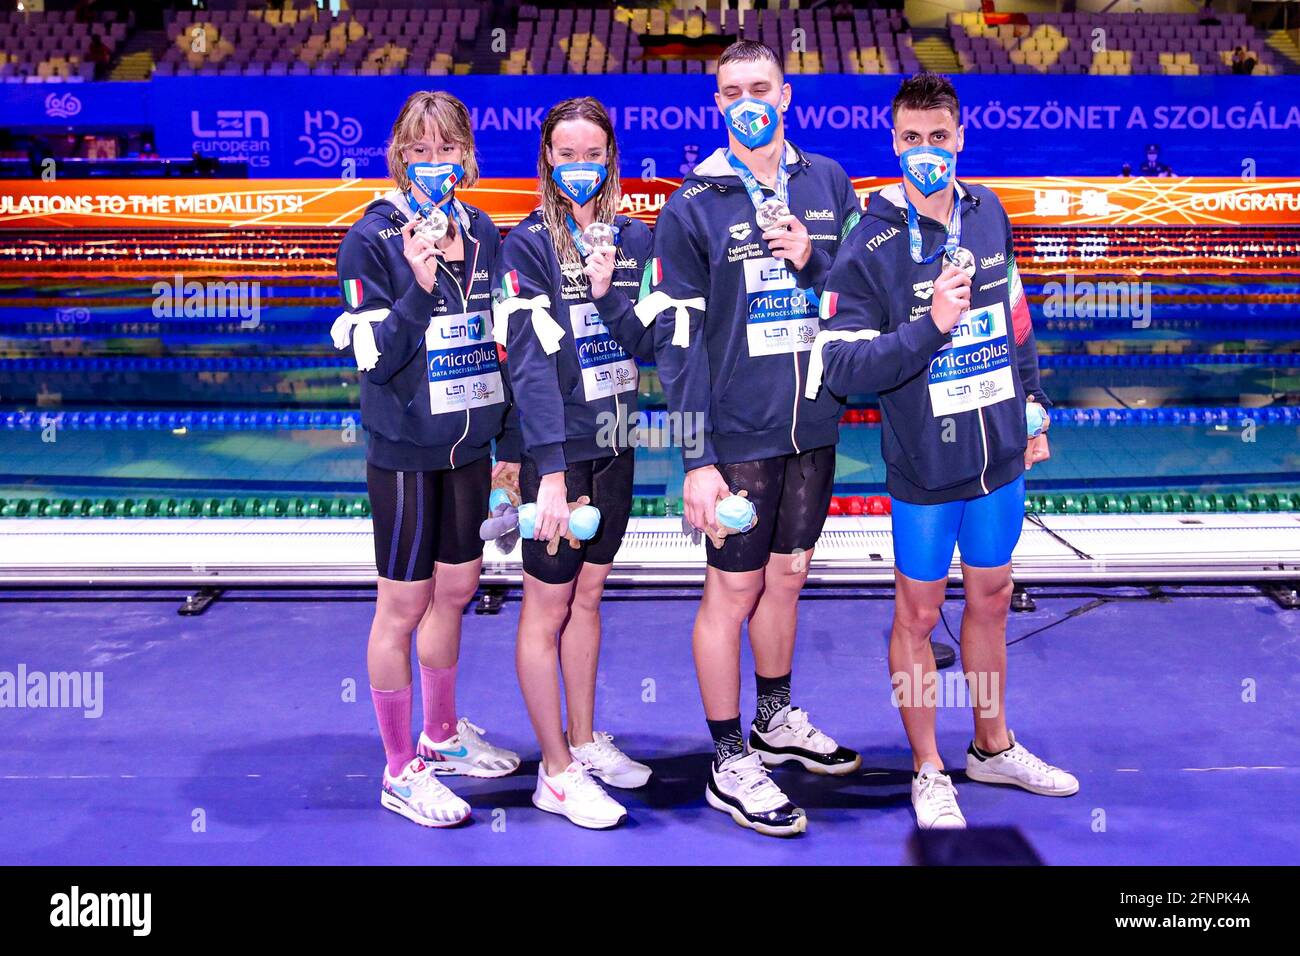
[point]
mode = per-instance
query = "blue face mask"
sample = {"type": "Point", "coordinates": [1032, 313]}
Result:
{"type": "Point", "coordinates": [928, 168]}
{"type": "Point", "coordinates": [579, 181]}
{"type": "Point", "coordinates": [753, 122]}
{"type": "Point", "coordinates": [436, 180]}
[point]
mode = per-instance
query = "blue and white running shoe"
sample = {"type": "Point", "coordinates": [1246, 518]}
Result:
{"type": "Point", "coordinates": [416, 795]}
{"type": "Point", "coordinates": [467, 754]}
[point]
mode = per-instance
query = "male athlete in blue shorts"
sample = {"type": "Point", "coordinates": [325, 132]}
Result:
{"type": "Point", "coordinates": [924, 305]}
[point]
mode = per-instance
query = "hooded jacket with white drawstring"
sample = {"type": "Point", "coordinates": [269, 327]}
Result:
{"type": "Point", "coordinates": [433, 392]}
{"type": "Point", "coordinates": [572, 357]}
{"type": "Point", "coordinates": [952, 404]}
{"type": "Point", "coordinates": [734, 324]}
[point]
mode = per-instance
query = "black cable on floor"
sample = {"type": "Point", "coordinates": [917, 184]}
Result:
{"type": "Point", "coordinates": [1082, 609]}
{"type": "Point", "coordinates": [1035, 519]}
{"type": "Point", "coordinates": [944, 617]}
{"type": "Point", "coordinates": [1076, 612]}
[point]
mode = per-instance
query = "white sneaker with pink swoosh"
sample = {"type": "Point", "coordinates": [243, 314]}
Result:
{"type": "Point", "coordinates": [575, 795]}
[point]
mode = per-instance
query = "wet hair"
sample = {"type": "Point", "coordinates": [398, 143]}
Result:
{"type": "Point", "coordinates": [555, 205]}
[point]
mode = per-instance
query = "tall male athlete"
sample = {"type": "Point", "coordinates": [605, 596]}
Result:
{"type": "Point", "coordinates": [742, 249]}
{"type": "Point", "coordinates": [950, 347]}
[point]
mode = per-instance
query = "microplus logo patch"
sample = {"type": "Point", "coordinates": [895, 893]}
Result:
{"type": "Point", "coordinates": [74, 908]}
{"type": "Point", "coordinates": [74, 690]}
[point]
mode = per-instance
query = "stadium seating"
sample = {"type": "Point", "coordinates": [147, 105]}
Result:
{"type": "Point", "coordinates": [373, 37]}
{"type": "Point", "coordinates": [610, 41]}
{"type": "Point", "coordinates": [305, 41]}
{"type": "Point", "coordinates": [1173, 44]}
{"type": "Point", "coordinates": [54, 46]}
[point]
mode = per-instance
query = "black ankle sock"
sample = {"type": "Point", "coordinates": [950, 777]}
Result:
{"type": "Point", "coordinates": [773, 697]}
{"type": "Point", "coordinates": [984, 754]}
{"type": "Point", "coordinates": [727, 739]}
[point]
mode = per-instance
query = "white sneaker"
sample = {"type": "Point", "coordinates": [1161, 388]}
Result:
{"type": "Point", "coordinates": [742, 788]}
{"type": "Point", "coordinates": [574, 794]}
{"type": "Point", "coordinates": [606, 762]}
{"type": "Point", "coordinates": [416, 795]}
{"type": "Point", "coordinates": [792, 737]}
{"type": "Point", "coordinates": [466, 753]}
{"type": "Point", "coordinates": [934, 799]}
{"type": "Point", "coordinates": [1019, 768]}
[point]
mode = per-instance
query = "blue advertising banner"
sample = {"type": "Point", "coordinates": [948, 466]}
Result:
{"type": "Point", "coordinates": [1015, 125]}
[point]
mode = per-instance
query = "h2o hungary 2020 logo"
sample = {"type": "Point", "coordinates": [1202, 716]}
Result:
{"type": "Point", "coordinates": [332, 140]}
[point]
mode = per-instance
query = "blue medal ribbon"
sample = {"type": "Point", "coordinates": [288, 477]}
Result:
{"type": "Point", "coordinates": [461, 217]}
{"type": "Point", "coordinates": [457, 211]}
{"type": "Point", "coordinates": [754, 188]}
{"type": "Point", "coordinates": [950, 244]}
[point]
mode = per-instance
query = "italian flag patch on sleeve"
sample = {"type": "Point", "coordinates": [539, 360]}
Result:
{"type": "Point", "coordinates": [829, 302]}
{"type": "Point", "coordinates": [510, 283]}
{"type": "Point", "coordinates": [1021, 320]}
{"type": "Point", "coordinates": [850, 221]}
{"type": "Point", "coordinates": [651, 276]}
{"type": "Point", "coordinates": [352, 294]}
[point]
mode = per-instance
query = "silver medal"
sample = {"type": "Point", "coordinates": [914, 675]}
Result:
{"type": "Point", "coordinates": [769, 212]}
{"type": "Point", "coordinates": [599, 235]}
{"type": "Point", "coordinates": [962, 258]}
{"type": "Point", "coordinates": [433, 225]}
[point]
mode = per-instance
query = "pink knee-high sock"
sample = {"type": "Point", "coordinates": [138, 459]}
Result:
{"type": "Point", "coordinates": [393, 708]}
{"type": "Point", "coordinates": [438, 690]}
